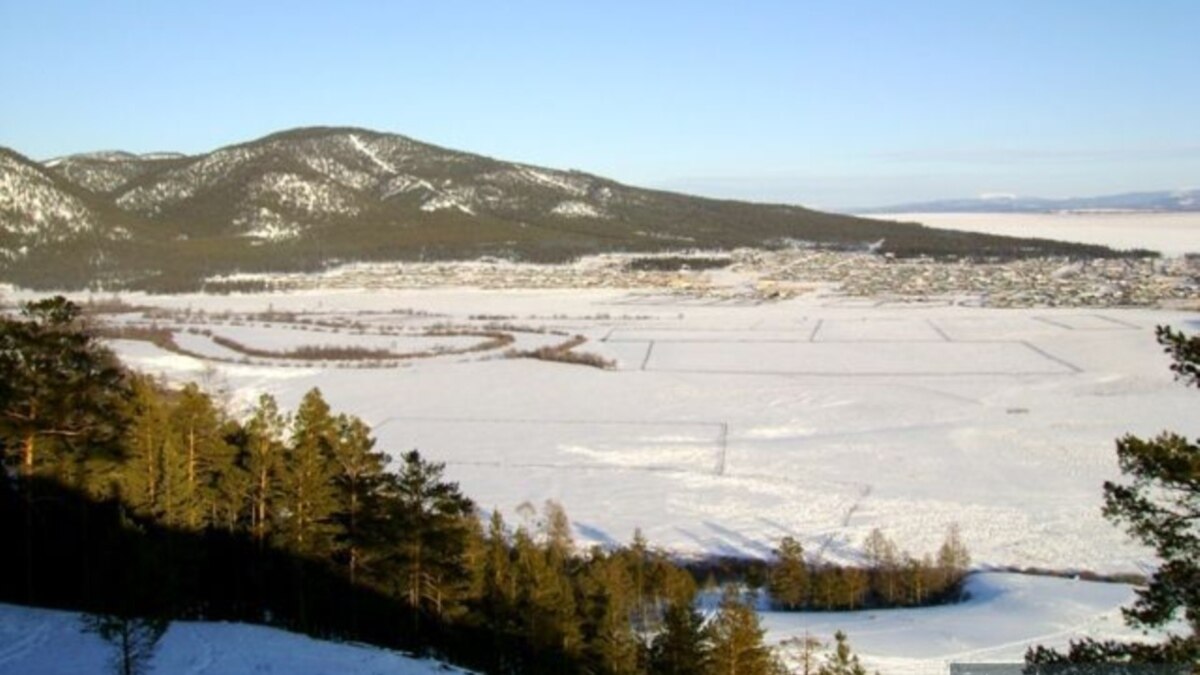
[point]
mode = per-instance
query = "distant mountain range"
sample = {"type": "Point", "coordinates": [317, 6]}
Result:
{"type": "Point", "coordinates": [307, 198]}
{"type": "Point", "coordinates": [1164, 201]}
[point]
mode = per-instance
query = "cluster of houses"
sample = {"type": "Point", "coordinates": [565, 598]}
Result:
{"type": "Point", "coordinates": [758, 275]}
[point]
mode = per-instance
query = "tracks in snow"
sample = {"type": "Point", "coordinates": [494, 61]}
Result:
{"type": "Point", "coordinates": [31, 641]}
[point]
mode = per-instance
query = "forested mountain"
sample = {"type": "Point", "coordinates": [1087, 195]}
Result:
{"type": "Point", "coordinates": [307, 198]}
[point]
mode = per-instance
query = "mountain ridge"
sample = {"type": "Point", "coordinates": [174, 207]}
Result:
{"type": "Point", "coordinates": [306, 198]}
{"type": "Point", "coordinates": [1168, 201]}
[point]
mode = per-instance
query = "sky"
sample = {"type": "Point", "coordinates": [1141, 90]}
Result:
{"type": "Point", "coordinates": [831, 104]}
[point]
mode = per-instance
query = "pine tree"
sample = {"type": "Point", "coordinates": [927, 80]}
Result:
{"type": "Point", "coordinates": [308, 477]}
{"type": "Point", "coordinates": [61, 391]}
{"type": "Point", "coordinates": [140, 476]}
{"type": "Point", "coordinates": [199, 436]}
{"type": "Point", "coordinates": [789, 579]}
{"type": "Point", "coordinates": [640, 570]}
{"type": "Point", "coordinates": [607, 607]}
{"type": "Point", "coordinates": [1159, 506]}
{"type": "Point", "coordinates": [681, 647]}
{"type": "Point", "coordinates": [737, 640]}
{"type": "Point", "coordinates": [359, 478]}
{"type": "Point", "coordinates": [545, 598]}
{"type": "Point", "coordinates": [426, 529]}
{"type": "Point", "coordinates": [842, 661]}
{"type": "Point", "coordinates": [233, 490]}
{"type": "Point", "coordinates": [499, 581]}
{"type": "Point", "coordinates": [263, 459]}
{"type": "Point", "coordinates": [134, 640]}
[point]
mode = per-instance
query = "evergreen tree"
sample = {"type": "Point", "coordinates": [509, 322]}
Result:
{"type": "Point", "coordinates": [681, 647]}
{"type": "Point", "coordinates": [134, 640]}
{"type": "Point", "coordinates": [842, 661]}
{"type": "Point", "coordinates": [499, 581]}
{"type": "Point", "coordinates": [359, 478]}
{"type": "Point", "coordinates": [789, 579]}
{"type": "Point", "coordinates": [545, 597]}
{"type": "Point", "coordinates": [475, 551]}
{"type": "Point", "coordinates": [309, 493]}
{"type": "Point", "coordinates": [200, 439]}
{"type": "Point", "coordinates": [141, 475]}
{"type": "Point", "coordinates": [234, 491]}
{"type": "Point", "coordinates": [263, 459]}
{"type": "Point", "coordinates": [426, 529]}
{"type": "Point", "coordinates": [607, 608]}
{"type": "Point", "coordinates": [1184, 352]}
{"type": "Point", "coordinates": [1159, 506]}
{"type": "Point", "coordinates": [640, 570]}
{"type": "Point", "coordinates": [737, 640]}
{"type": "Point", "coordinates": [61, 391]}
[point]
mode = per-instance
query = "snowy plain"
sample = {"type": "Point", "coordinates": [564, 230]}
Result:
{"type": "Point", "coordinates": [726, 426]}
{"type": "Point", "coordinates": [1171, 234]}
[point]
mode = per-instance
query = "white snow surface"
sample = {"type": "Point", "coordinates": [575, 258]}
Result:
{"type": "Point", "coordinates": [456, 199]}
{"type": "Point", "coordinates": [577, 209]}
{"type": "Point", "coordinates": [48, 642]}
{"type": "Point", "coordinates": [557, 180]}
{"type": "Point", "coordinates": [371, 154]}
{"type": "Point", "coordinates": [1171, 234]}
{"type": "Point", "coordinates": [727, 426]}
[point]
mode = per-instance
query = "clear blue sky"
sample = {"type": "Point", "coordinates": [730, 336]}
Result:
{"type": "Point", "coordinates": [833, 103]}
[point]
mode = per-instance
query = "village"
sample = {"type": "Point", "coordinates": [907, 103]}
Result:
{"type": "Point", "coordinates": [750, 275]}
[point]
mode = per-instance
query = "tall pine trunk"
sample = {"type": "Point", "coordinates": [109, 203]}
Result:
{"type": "Point", "coordinates": [28, 449]}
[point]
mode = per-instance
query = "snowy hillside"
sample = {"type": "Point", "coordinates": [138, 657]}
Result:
{"type": "Point", "coordinates": [36, 211]}
{"type": "Point", "coordinates": [46, 642]}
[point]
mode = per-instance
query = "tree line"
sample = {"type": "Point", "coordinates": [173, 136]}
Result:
{"type": "Point", "coordinates": [891, 577]}
{"type": "Point", "coordinates": [127, 497]}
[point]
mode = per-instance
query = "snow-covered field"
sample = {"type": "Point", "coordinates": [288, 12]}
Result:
{"type": "Point", "coordinates": [727, 426]}
{"type": "Point", "coordinates": [47, 642]}
{"type": "Point", "coordinates": [1171, 234]}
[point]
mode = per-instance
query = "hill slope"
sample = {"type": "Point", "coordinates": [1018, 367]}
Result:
{"type": "Point", "coordinates": [306, 198]}
{"type": "Point", "coordinates": [48, 642]}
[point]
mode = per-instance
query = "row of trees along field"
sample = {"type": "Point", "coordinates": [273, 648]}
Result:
{"type": "Point", "coordinates": [891, 578]}
{"type": "Point", "coordinates": [128, 498]}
